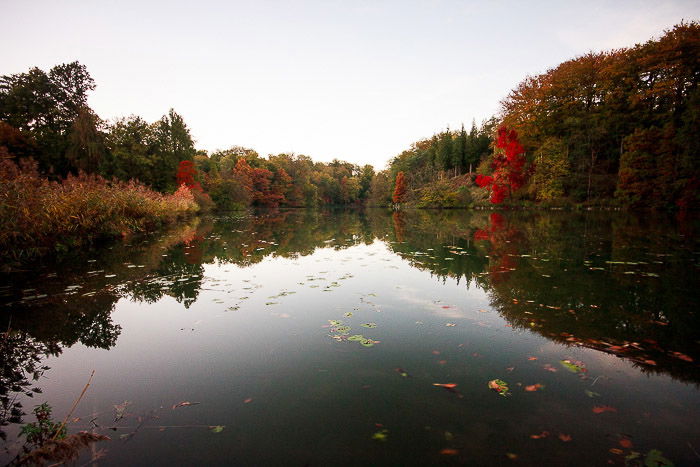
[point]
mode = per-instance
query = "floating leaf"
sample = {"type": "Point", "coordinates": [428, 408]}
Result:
{"type": "Point", "coordinates": [574, 366]}
{"type": "Point", "coordinates": [565, 438]}
{"type": "Point", "coordinates": [348, 314]}
{"type": "Point", "coordinates": [626, 443]}
{"type": "Point", "coordinates": [655, 458]}
{"type": "Point", "coordinates": [184, 404]}
{"type": "Point", "coordinates": [500, 386]}
{"type": "Point", "coordinates": [402, 372]}
{"type": "Point", "coordinates": [449, 452]}
{"type": "Point", "coordinates": [446, 385]}
{"type": "Point", "coordinates": [217, 429]}
{"type": "Point", "coordinates": [603, 408]}
{"type": "Point", "coordinates": [334, 322]}
{"type": "Point", "coordinates": [542, 435]}
{"type": "Point", "coordinates": [356, 337]}
{"type": "Point", "coordinates": [590, 393]}
{"type": "Point", "coordinates": [534, 387]}
{"type": "Point", "coordinates": [381, 435]}
{"type": "Point", "coordinates": [369, 325]}
{"type": "Point", "coordinates": [120, 410]}
{"type": "Point", "coordinates": [367, 342]}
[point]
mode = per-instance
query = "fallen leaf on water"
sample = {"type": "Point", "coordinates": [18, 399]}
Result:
{"type": "Point", "coordinates": [500, 386]}
{"type": "Point", "coordinates": [449, 452]}
{"type": "Point", "coordinates": [120, 410]}
{"type": "Point", "coordinates": [533, 387]}
{"type": "Point", "coordinates": [574, 366]}
{"type": "Point", "coordinates": [532, 358]}
{"type": "Point", "coordinates": [402, 372]}
{"type": "Point", "coordinates": [511, 456]}
{"type": "Point", "coordinates": [442, 362]}
{"type": "Point", "coordinates": [544, 434]}
{"type": "Point", "coordinates": [348, 314]}
{"type": "Point", "coordinates": [436, 352]}
{"type": "Point", "coordinates": [603, 408]}
{"type": "Point", "coordinates": [626, 443]}
{"type": "Point", "coordinates": [549, 367]}
{"type": "Point", "coordinates": [449, 325]}
{"type": "Point", "coordinates": [369, 325]}
{"type": "Point", "coordinates": [380, 435]}
{"type": "Point", "coordinates": [616, 451]}
{"type": "Point", "coordinates": [248, 400]}
{"type": "Point", "coordinates": [590, 393]}
{"type": "Point", "coordinates": [184, 404]}
{"type": "Point", "coordinates": [217, 429]}
{"type": "Point", "coordinates": [565, 438]}
{"type": "Point", "coordinates": [446, 385]}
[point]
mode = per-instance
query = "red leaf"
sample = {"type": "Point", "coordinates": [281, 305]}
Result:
{"type": "Point", "coordinates": [565, 438]}
{"type": "Point", "coordinates": [603, 408]}
{"type": "Point", "coordinates": [533, 387]}
{"type": "Point", "coordinates": [446, 385]}
{"type": "Point", "coordinates": [625, 443]}
{"type": "Point", "coordinates": [449, 452]}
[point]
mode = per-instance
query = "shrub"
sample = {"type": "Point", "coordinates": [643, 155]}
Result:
{"type": "Point", "coordinates": [38, 215]}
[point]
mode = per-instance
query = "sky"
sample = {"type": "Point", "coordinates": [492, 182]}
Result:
{"type": "Point", "coordinates": [354, 80]}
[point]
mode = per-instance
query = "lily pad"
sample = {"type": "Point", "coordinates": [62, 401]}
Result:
{"type": "Point", "coordinates": [369, 325]}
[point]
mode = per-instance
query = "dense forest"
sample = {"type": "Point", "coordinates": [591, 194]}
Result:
{"type": "Point", "coordinates": [607, 128]}
{"type": "Point", "coordinates": [618, 127]}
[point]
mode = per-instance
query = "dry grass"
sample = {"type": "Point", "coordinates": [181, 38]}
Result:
{"type": "Point", "coordinates": [38, 216]}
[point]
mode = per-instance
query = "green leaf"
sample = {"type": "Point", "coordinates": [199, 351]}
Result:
{"type": "Point", "coordinates": [217, 429]}
{"type": "Point", "coordinates": [369, 325]}
{"type": "Point", "coordinates": [655, 458]}
{"type": "Point", "coordinates": [381, 435]}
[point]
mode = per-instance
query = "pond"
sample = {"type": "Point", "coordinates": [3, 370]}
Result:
{"type": "Point", "coordinates": [368, 337]}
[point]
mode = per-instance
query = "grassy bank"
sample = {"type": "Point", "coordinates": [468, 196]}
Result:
{"type": "Point", "coordinates": [38, 216]}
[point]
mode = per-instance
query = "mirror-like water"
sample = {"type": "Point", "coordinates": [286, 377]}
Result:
{"type": "Point", "coordinates": [351, 337]}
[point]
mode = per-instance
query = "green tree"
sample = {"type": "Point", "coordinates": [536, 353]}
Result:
{"type": "Point", "coordinates": [46, 105]}
{"type": "Point", "coordinates": [551, 170]}
{"type": "Point", "coordinates": [87, 142]}
{"type": "Point", "coordinates": [173, 144]}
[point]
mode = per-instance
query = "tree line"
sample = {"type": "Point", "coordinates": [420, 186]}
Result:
{"type": "Point", "coordinates": [45, 116]}
{"type": "Point", "coordinates": [614, 127]}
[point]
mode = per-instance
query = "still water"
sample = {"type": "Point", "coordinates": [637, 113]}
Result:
{"type": "Point", "coordinates": [369, 338]}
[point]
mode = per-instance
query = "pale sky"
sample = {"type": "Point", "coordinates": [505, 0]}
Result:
{"type": "Point", "coordinates": [355, 80]}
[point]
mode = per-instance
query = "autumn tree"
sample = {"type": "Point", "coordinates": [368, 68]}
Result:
{"type": "Point", "coordinates": [399, 195]}
{"type": "Point", "coordinates": [508, 167]}
{"type": "Point", "coordinates": [186, 173]}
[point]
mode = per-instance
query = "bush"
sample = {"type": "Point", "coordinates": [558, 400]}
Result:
{"type": "Point", "coordinates": [38, 215]}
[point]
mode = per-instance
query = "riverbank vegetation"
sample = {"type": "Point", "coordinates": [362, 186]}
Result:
{"type": "Point", "coordinates": [618, 127]}
{"type": "Point", "coordinates": [607, 128]}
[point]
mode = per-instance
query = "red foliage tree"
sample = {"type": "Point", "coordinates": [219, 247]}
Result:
{"type": "Point", "coordinates": [399, 189]}
{"type": "Point", "coordinates": [186, 173]}
{"type": "Point", "coordinates": [508, 167]}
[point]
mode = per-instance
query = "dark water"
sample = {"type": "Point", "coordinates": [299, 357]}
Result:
{"type": "Point", "coordinates": [318, 338]}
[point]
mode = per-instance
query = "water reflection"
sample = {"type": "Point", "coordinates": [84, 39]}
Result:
{"type": "Point", "coordinates": [615, 283]}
